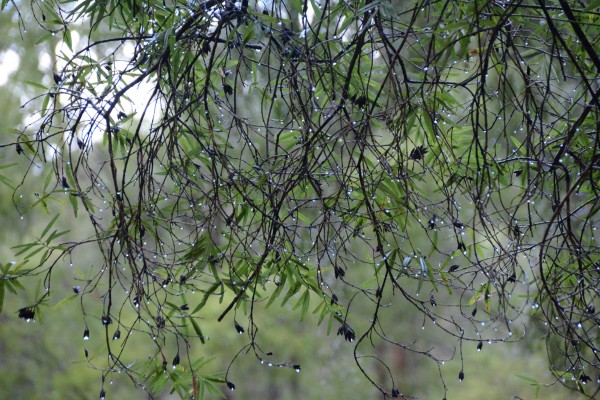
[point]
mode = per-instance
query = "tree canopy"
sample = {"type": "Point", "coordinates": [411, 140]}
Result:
{"type": "Point", "coordinates": [316, 157]}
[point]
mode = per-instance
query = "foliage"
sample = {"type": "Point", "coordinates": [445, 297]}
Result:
{"type": "Point", "coordinates": [325, 156]}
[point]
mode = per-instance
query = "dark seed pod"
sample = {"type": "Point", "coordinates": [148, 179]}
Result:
{"type": "Point", "coordinates": [106, 320]}
{"type": "Point", "coordinates": [26, 313]}
{"type": "Point", "coordinates": [518, 172]}
{"type": "Point", "coordinates": [121, 115]}
{"type": "Point", "coordinates": [431, 223]}
{"type": "Point", "coordinates": [334, 299]}
{"type": "Point", "coordinates": [432, 300]}
{"type": "Point", "coordinates": [238, 327]}
{"type": "Point", "coordinates": [458, 224]}
{"type": "Point", "coordinates": [85, 351]}
{"type": "Point", "coordinates": [117, 335]}
{"type": "Point", "coordinates": [395, 392]}
{"type": "Point", "coordinates": [86, 334]}
{"type": "Point", "coordinates": [184, 307]}
{"type": "Point", "coordinates": [474, 312]}
{"type": "Point", "coordinates": [228, 89]}
{"type": "Point", "coordinates": [296, 367]}
{"type": "Point", "coordinates": [19, 149]}
{"type": "Point", "coordinates": [418, 153]}
{"type": "Point", "coordinates": [176, 360]}
{"type": "Point", "coordinates": [479, 345]}
{"type": "Point", "coordinates": [230, 385]}
{"type": "Point", "coordinates": [65, 184]}
{"type": "Point", "coordinates": [102, 394]}
{"type": "Point", "coordinates": [347, 332]}
{"type": "Point", "coordinates": [461, 375]}
{"type": "Point", "coordinates": [453, 268]}
{"type": "Point", "coordinates": [76, 289]}
{"type": "Point", "coordinates": [57, 78]}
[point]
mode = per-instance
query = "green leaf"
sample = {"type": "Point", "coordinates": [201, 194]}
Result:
{"type": "Point", "coordinates": [292, 291]}
{"type": "Point", "coordinates": [197, 330]}
{"type": "Point", "coordinates": [74, 204]}
{"type": "Point", "coordinates": [44, 38]}
{"type": "Point", "coordinates": [64, 302]}
{"type": "Point", "coordinates": [36, 85]}
{"type": "Point", "coordinates": [47, 228]}
{"type": "Point", "coordinates": [67, 38]}
{"type": "Point", "coordinates": [1, 294]}
{"type": "Point", "coordinates": [210, 291]}
{"type": "Point", "coordinates": [303, 301]}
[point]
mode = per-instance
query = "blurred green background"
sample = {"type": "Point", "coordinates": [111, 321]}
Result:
{"type": "Point", "coordinates": [45, 359]}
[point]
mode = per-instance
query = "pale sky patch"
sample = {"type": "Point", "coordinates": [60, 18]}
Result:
{"type": "Point", "coordinates": [9, 63]}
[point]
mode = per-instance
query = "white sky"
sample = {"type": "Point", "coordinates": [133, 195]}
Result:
{"type": "Point", "coordinates": [9, 64]}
